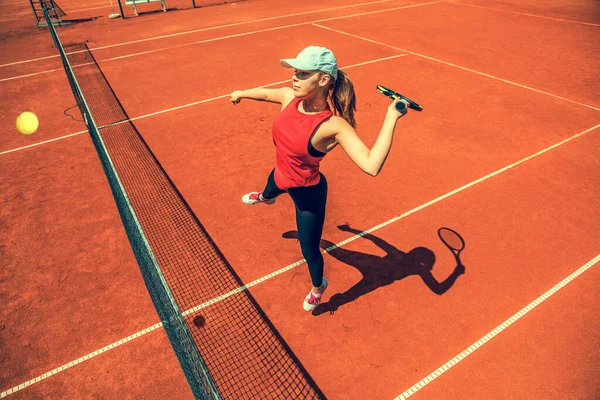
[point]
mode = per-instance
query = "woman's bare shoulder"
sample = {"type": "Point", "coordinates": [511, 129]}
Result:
{"type": "Point", "coordinates": [287, 95]}
{"type": "Point", "coordinates": [337, 124]}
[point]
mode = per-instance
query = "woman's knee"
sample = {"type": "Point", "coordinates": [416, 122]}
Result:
{"type": "Point", "coordinates": [312, 254]}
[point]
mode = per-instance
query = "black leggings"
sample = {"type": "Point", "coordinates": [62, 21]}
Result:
{"type": "Point", "coordinates": [310, 216]}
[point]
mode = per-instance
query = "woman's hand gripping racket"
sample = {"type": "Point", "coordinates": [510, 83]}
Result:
{"type": "Point", "coordinates": [455, 243]}
{"type": "Point", "coordinates": [400, 106]}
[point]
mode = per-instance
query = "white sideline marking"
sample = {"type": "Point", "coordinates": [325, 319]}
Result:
{"type": "Point", "coordinates": [42, 72]}
{"type": "Point", "coordinates": [30, 14]}
{"type": "Point", "coordinates": [527, 14]}
{"type": "Point", "coordinates": [463, 354]}
{"type": "Point", "coordinates": [44, 142]}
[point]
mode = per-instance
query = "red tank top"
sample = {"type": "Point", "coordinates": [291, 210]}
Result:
{"type": "Point", "coordinates": [292, 131]}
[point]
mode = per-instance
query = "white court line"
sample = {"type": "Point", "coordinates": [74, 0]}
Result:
{"type": "Point", "coordinates": [457, 66]}
{"type": "Point", "coordinates": [32, 74]}
{"type": "Point", "coordinates": [297, 263]}
{"type": "Point", "coordinates": [86, 9]}
{"type": "Point", "coordinates": [270, 84]}
{"type": "Point", "coordinates": [462, 355]}
{"type": "Point", "coordinates": [263, 30]}
{"type": "Point", "coordinates": [79, 360]}
{"type": "Point", "coordinates": [44, 142]}
{"type": "Point", "coordinates": [18, 18]}
{"type": "Point", "coordinates": [43, 72]}
{"type": "Point", "coordinates": [30, 14]}
{"type": "Point", "coordinates": [224, 26]}
{"type": "Point", "coordinates": [185, 105]}
{"type": "Point", "coordinates": [217, 38]}
{"type": "Point", "coordinates": [27, 4]}
{"type": "Point", "coordinates": [526, 14]}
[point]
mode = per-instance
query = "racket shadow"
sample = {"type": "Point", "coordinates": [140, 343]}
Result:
{"type": "Point", "coordinates": [379, 271]}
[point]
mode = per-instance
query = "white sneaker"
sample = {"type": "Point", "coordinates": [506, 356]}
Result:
{"type": "Point", "coordinates": [312, 300]}
{"type": "Point", "coordinates": [254, 198]}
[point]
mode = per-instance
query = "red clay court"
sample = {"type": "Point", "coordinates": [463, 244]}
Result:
{"type": "Point", "coordinates": [505, 153]}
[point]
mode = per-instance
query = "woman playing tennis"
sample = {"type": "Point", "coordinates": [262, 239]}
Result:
{"type": "Point", "coordinates": [317, 114]}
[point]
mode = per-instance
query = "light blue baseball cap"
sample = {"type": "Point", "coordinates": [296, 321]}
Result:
{"type": "Point", "coordinates": [314, 58]}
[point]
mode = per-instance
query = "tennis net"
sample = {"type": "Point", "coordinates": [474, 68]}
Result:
{"type": "Point", "coordinates": [226, 345]}
{"type": "Point", "coordinates": [179, 335]}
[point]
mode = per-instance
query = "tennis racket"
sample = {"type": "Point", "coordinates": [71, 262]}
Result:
{"type": "Point", "coordinates": [453, 241]}
{"type": "Point", "coordinates": [400, 106]}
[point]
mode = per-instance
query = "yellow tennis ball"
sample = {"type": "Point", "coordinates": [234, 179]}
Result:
{"type": "Point", "coordinates": [27, 123]}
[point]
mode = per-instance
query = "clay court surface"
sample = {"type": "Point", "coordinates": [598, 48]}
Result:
{"type": "Point", "coordinates": [504, 153]}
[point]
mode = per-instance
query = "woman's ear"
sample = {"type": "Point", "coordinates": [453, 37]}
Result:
{"type": "Point", "coordinates": [325, 79]}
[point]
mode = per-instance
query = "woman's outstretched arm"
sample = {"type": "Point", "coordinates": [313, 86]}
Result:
{"type": "Point", "coordinates": [369, 160]}
{"type": "Point", "coordinates": [280, 95]}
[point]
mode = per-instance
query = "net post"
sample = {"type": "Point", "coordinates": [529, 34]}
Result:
{"type": "Point", "coordinates": [121, 9]}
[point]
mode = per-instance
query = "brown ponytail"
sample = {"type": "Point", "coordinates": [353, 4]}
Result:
{"type": "Point", "coordinates": [344, 99]}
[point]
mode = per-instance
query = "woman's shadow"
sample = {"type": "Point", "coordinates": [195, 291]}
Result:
{"type": "Point", "coordinates": [378, 271]}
